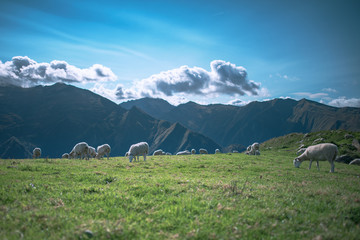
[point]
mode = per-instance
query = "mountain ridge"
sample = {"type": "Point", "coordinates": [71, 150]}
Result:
{"type": "Point", "coordinates": [57, 117]}
{"type": "Point", "coordinates": [260, 121]}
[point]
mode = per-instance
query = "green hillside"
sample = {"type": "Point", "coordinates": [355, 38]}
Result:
{"type": "Point", "coordinates": [291, 142]}
{"type": "Point", "coordinates": [223, 196]}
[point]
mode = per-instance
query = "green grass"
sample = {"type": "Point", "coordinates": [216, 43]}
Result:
{"type": "Point", "coordinates": [224, 196]}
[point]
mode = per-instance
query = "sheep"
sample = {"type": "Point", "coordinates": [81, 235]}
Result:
{"type": "Point", "coordinates": [91, 152]}
{"type": "Point", "coordinates": [102, 150]}
{"type": "Point", "coordinates": [217, 151]}
{"type": "Point", "coordinates": [79, 150]}
{"type": "Point", "coordinates": [255, 146]}
{"type": "Point", "coordinates": [253, 149]}
{"type": "Point", "coordinates": [141, 148]}
{"type": "Point", "coordinates": [36, 153]}
{"type": "Point", "coordinates": [203, 151]}
{"type": "Point", "coordinates": [186, 152]}
{"type": "Point", "coordinates": [193, 151]}
{"type": "Point", "coordinates": [159, 152]}
{"type": "Point", "coordinates": [248, 149]}
{"type": "Point", "coordinates": [319, 152]}
{"type": "Point", "coordinates": [65, 155]}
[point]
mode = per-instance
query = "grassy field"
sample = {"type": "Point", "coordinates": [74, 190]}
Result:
{"type": "Point", "coordinates": [223, 196]}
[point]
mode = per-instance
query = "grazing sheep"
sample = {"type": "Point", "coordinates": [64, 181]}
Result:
{"type": "Point", "coordinates": [248, 149]}
{"type": "Point", "coordinates": [36, 153]}
{"type": "Point", "coordinates": [193, 151]}
{"type": "Point", "coordinates": [319, 152]}
{"type": "Point", "coordinates": [255, 146]}
{"type": "Point", "coordinates": [80, 150]}
{"type": "Point", "coordinates": [217, 151]}
{"type": "Point", "coordinates": [168, 153]}
{"type": "Point", "coordinates": [186, 152]}
{"type": "Point", "coordinates": [91, 152]}
{"type": "Point", "coordinates": [253, 149]}
{"type": "Point", "coordinates": [203, 151]}
{"type": "Point", "coordinates": [102, 150]}
{"type": "Point", "coordinates": [158, 152]}
{"type": "Point", "coordinates": [138, 149]}
{"type": "Point", "coordinates": [65, 155]}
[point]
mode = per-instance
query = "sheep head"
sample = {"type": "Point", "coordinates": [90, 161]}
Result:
{"type": "Point", "coordinates": [297, 162]}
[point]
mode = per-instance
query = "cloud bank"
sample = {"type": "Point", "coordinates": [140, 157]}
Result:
{"type": "Point", "coordinates": [344, 102]}
{"type": "Point", "coordinates": [25, 72]}
{"type": "Point", "coordinates": [224, 78]}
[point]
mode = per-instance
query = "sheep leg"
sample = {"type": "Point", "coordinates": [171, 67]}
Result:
{"type": "Point", "coordinates": [144, 157]}
{"type": "Point", "coordinates": [310, 164]}
{"type": "Point", "coordinates": [317, 164]}
{"type": "Point", "coordinates": [332, 167]}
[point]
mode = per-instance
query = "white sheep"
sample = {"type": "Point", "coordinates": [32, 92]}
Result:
{"type": "Point", "coordinates": [159, 152]}
{"type": "Point", "coordinates": [79, 150]}
{"type": "Point", "coordinates": [217, 151]}
{"type": "Point", "coordinates": [193, 151]}
{"type": "Point", "coordinates": [319, 152]}
{"type": "Point", "coordinates": [91, 152]}
{"type": "Point", "coordinates": [186, 152]}
{"type": "Point", "coordinates": [36, 153]}
{"type": "Point", "coordinates": [203, 151]}
{"type": "Point", "coordinates": [253, 149]}
{"type": "Point", "coordinates": [138, 149]}
{"type": "Point", "coordinates": [65, 155]}
{"type": "Point", "coordinates": [248, 149]}
{"type": "Point", "coordinates": [103, 150]}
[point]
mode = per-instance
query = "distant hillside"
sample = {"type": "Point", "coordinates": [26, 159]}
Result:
{"type": "Point", "coordinates": [57, 117]}
{"type": "Point", "coordinates": [347, 141]}
{"type": "Point", "coordinates": [260, 121]}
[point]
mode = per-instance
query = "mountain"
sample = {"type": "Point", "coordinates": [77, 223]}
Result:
{"type": "Point", "coordinates": [13, 148]}
{"type": "Point", "coordinates": [155, 107]}
{"type": "Point", "coordinates": [260, 121]}
{"type": "Point", "coordinates": [57, 117]}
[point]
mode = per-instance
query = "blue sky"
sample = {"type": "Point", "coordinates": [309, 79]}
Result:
{"type": "Point", "coordinates": [204, 51]}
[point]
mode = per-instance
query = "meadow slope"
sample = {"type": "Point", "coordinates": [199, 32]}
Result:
{"type": "Point", "coordinates": [223, 196]}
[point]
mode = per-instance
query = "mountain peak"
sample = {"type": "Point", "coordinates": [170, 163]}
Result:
{"type": "Point", "coordinates": [155, 107]}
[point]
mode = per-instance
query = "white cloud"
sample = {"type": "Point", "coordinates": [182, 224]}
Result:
{"type": "Point", "coordinates": [25, 72]}
{"type": "Point", "coordinates": [224, 78]}
{"type": "Point", "coordinates": [344, 102]}
{"type": "Point", "coordinates": [330, 90]}
{"type": "Point", "coordinates": [284, 77]}
{"type": "Point", "coordinates": [238, 102]}
{"type": "Point", "coordinates": [311, 95]}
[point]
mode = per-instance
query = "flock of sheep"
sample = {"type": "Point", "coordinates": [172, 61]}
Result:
{"type": "Point", "coordinates": [82, 150]}
{"type": "Point", "coordinates": [319, 152]}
